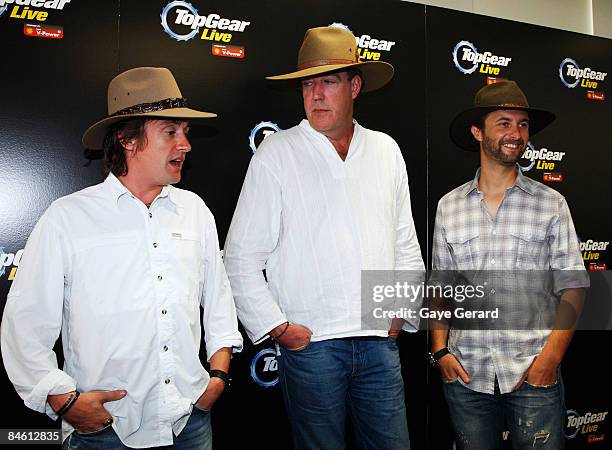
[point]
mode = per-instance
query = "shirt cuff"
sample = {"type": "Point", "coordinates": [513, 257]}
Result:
{"type": "Point", "coordinates": [55, 382]}
{"type": "Point", "coordinates": [262, 335]}
{"type": "Point", "coordinates": [235, 342]}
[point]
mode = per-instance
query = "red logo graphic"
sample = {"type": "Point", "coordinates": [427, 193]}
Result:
{"type": "Point", "coordinates": [596, 95]}
{"type": "Point", "coordinates": [229, 51]}
{"type": "Point", "coordinates": [595, 438]}
{"type": "Point", "coordinates": [43, 31]}
{"type": "Point", "coordinates": [553, 176]}
{"type": "Point", "coordinates": [597, 266]}
{"type": "Point", "coordinates": [491, 80]}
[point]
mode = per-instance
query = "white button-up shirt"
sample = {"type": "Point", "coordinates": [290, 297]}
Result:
{"type": "Point", "coordinates": [124, 284]}
{"type": "Point", "coordinates": [314, 222]}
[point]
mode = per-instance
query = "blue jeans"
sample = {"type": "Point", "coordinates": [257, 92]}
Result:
{"type": "Point", "coordinates": [358, 376]}
{"type": "Point", "coordinates": [533, 415]}
{"type": "Point", "coordinates": [197, 435]}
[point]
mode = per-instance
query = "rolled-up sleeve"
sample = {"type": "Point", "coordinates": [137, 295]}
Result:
{"type": "Point", "coordinates": [32, 319]}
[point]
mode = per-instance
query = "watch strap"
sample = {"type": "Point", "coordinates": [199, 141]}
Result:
{"type": "Point", "coordinates": [435, 357]}
{"type": "Point", "coordinates": [220, 374]}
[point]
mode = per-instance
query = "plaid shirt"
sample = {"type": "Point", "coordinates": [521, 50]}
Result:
{"type": "Point", "coordinates": [532, 230]}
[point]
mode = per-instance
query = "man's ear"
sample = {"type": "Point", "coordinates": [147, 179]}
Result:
{"type": "Point", "coordinates": [355, 86]}
{"type": "Point", "coordinates": [128, 144]}
{"type": "Point", "coordinates": [476, 132]}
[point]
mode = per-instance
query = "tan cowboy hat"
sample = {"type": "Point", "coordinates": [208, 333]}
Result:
{"type": "Point", "coordinates": [504, 94]}
{"type": "Point", "coordinates": [141, 92]}
{"type": "Point", "coordinates": [329, 49]}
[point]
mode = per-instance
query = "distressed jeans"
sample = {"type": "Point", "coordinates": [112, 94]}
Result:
{"type": "Point", "coordinates": [533, 415]}
{"type": "Point", "coordinates": [329, 379]}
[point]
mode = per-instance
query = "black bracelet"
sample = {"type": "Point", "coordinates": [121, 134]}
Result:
{"type": "Point", "coordinates": [66, 406]}
{"type": "Point", "coordinates": [220, 374]}
{"type": "Point", "coordinates": [275, 338]}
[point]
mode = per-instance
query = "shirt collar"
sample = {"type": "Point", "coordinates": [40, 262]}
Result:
{"type": "Point", "coordinates": [521, 182]}
{"type": "Point", "coordinates": [306, 126]}
{"type": "Point", "coordinates": [116, 190]}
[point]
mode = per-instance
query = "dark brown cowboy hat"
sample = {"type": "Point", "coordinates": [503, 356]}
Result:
{"type": "Point", "coordinates": [504, 94]}
{"type": "Point", "coordinates": [141, 92]}
{"type": "Point", "coordinates": [331, 49]}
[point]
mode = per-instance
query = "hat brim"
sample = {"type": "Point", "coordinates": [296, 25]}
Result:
{"type": "Point", "coordinates": [460, 128]}
{"type": "Point", "coordinates": [93, 138]}
{"type": "Point", "coordinates": [376, 73]}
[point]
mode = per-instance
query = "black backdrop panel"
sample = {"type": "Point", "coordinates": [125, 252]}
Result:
{"type": "Point", "coordinates": [55, 88]}
{"type": "Point", "coordinates": [50, 86]}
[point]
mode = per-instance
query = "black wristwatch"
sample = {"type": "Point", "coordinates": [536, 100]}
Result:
{"type": "Point", "coordinates": [221, 374]}
{"type": "Point", "coordinates": [435, 357]}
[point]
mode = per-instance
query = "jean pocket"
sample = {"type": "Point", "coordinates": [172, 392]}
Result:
{"type": "Point", "coordinates": [93, 433]}
{"type": "Point", "coordinates": [543, 386]}
{"type": "Point", "coordinates": [199, 410]}
{"type": "Point", "coordinates": [299, 350]}
{"type": "Point", "coordinates": [450, 381]}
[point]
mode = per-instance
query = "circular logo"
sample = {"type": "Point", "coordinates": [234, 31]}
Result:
{"type": "Point", "coordinates": [264, 368]}
{"type": "Point", "coordinates": [266, 128]}
{"type": "Point", "coordinates": [531, 149]}
{"type": "Point", "coordinates": [164, 20]}
{"type": "Point", "coordinates": [571, 430]}
{"type": "Point", "coordinates": [562, 66]}
{"type": "Point", "coordinates": [459, 67]}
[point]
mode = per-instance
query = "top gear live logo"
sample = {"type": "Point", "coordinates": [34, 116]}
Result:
{"type": "Point", "coordinates": [366, 44]}
{"type": "Point", "coordinates": [181, 21]}
{"type": "Point", "coordinates": [571, 74]}
{"type": "Point", "coordinates": [467, 60]}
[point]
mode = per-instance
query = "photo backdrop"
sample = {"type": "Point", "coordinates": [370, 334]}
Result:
{"type": "Point", "coordinates": [61, 54]}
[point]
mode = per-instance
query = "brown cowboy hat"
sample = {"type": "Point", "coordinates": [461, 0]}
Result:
{"type": "Point", "coordinates": [504, 94]}
{"type": "Point", "coordinates": [329, 49]}
{"type": "Point", "coordinates": [141, 92]}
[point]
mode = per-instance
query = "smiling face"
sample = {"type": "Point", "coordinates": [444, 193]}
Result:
{"type": "Point", "coordinates": [328, 102]}
{"type": "Point", "coordinates": [504, 136]}
{"type": "Point", "coordinates": [160, 158]}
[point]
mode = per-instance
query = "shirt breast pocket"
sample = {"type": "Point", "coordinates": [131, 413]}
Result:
{"type": "Point", "coordinates": [186, 259]}
{"type": "Point", "coordinates": [464, 249]}
{"type": "Point", "coordinates": [530, 250]}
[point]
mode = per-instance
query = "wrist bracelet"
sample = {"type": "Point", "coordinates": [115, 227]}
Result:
{"type": "Point", "coordinates": [66, 406]}
{"type": "Point", "coordinates": [274, 338]}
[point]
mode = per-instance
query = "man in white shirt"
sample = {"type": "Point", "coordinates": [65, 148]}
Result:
{"type": "Point", "coordinates": [121, 270]}
{"type": "Point", "coordinates": [322, 202]}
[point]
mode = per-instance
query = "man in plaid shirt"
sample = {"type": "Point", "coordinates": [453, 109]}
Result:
{"type": "Point", "coordinates": [503, 221]}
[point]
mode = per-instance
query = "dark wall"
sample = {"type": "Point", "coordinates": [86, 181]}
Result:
{"type": "Point", "coordinates": [55, 88]}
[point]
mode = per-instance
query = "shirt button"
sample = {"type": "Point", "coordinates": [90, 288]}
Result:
{"type": "Point", "coordinates": [159, 277]}
{"type": "Point", "coordinates": [164, 312]}
{"type": "Point", "coordinates": [150, 216]}
{"type": "Point", "coordinates": [167, 381]}
{"type": "Point", "coordinates": [492, 261]}
{"type": "Point", "coordinates": [154, 244]}
{"type": "Point", "coordinates": [492, 291]}
{"type": "Point", "coordinates": [165, 348]}
{"type": "Point", "coordinates": [494, 232]}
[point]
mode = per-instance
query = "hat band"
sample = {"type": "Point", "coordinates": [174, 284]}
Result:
{"type": "Point", "coordinates": [505, 105]}
{"type": "Point", "coordinates": [324, 62]}
{"type": "Point", "coordinates": [168, 103]}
